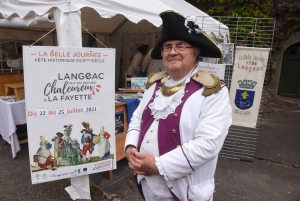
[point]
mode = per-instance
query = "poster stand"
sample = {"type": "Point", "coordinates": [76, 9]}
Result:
{"type": "Point", "coordinates": [79, 188]}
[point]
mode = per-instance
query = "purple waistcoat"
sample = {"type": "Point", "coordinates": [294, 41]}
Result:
{"type": "Point", "coordinates": [168, 129]}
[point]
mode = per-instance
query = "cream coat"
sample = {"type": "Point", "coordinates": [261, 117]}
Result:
{"type": "Point", "coordinates": [204, 124]}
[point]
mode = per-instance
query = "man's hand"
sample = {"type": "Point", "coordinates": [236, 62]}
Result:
{"type": "Point", "coordinates": [134, 162]}
{"type": "Point", "coordinates": [141, 163]}
{"type": "Point", "coordinates": [147, 162]}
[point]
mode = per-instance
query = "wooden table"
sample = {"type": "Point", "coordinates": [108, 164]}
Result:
{"type": "Point", "coordinates": [17, 87]}
{"type": "Point", "coordinates": [120, 138]}
{"type": "Point", "coordinates": [11, 115]}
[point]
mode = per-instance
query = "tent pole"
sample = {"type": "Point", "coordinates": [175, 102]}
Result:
{"type": "Point", "coordinates": [68, 29]}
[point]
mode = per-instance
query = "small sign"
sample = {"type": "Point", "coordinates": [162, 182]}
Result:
{"type": "Point", "coordinates": [138, 82]}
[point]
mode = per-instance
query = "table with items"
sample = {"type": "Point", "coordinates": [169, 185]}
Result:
{"type": "Point", "coordinates": [12, 113]}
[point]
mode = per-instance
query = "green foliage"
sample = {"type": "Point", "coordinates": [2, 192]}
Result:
{"type": "Point", "coordinates": [287, 18]}
{"type": "Point", "coordinates": [239, 8]}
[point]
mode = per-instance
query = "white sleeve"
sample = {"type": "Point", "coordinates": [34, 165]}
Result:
{"type": "Point", "coordinates": [209, 135]}
{"type": "Point", "coordinates": [133, 133]}
{"type": "Point", "coordinates": [146, 62]}
{"type": "Point", "coordinates": [137, 62]}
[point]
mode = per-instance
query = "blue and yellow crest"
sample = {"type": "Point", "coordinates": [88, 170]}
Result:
{"type": "Point", "coordinates": [244, 99]}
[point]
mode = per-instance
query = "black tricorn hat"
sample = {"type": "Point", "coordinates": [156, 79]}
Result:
{"type": "Point", "coordinates": [59, 134]}
{"type": "Point", "coordinates": [175, 27]}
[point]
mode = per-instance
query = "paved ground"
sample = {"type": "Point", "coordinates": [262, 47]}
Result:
{"type": "Point", "coordinates": [274, 174]}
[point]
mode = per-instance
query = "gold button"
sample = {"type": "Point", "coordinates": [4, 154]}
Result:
{"type": "Point", "coordinates": [171, 188]}
{"type": "Point", "coordinates": [157, 120]}
{"type": "Point", "coordinates": [148, 141]}
{"type": "Point", "coordinates": [151, 131]}
{"type": "Point", "coordinates": [190, 199]}
{"type": "Point", "coordinates": [145, 108]}
{"type": "Point", "coordinates": [190, 174]}
{"type": "Point", "coordinates": [197, 75]}
{"type": "Point", "coordinates": [184, 177]}
{"type": "Point", "coordinates": [186, 91]}
{"type": "Point", "coordinates": [175, 115]}
{"type": "Point", "coordinates": [177, 146]}
{"type": "Point", "coordinates": [173, 131]}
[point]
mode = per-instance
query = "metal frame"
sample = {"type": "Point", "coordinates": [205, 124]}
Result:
{"type": "Point", "coordinates": [241, 142]}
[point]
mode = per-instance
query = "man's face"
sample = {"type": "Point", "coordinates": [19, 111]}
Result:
{"type": "Point", "coordinates": [178, 62]}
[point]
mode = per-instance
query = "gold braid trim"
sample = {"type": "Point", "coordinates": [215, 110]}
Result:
{"type": "Point", "coordinates": [209, 90]}
{"type": "Point", "coordinates": [211, 83]}
{"type": "Point", "coordinates": [153, 77]}
{"type": "Point", "coordinates": [169, 91]}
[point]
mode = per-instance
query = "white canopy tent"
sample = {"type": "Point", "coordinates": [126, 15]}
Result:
{"type": "Point", "coordinates": [112, 14]}
{"type": "Point", "coordinates": [99, 17]}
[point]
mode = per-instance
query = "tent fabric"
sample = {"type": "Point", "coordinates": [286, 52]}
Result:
{"type": "Point", "coordinates": [134, 10]}
{"type": "Point", "coordinates": [27, 21]}
{"type": "Point", "coordinates": [112, 12]}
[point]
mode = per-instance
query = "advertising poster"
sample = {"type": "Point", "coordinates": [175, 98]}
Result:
{"type": "Point", "coordinates": [216, 69]}
{"type": "Point", "coordinates": [70, 110]}
{"type": "Point", "coordinates": [247, 83]}
{"type": "Point", "coordinates": [228, 52]}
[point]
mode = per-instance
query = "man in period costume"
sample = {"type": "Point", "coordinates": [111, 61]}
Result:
{"type": "Point", "coordinates": [88, 146]}
{"type": "Point", "coordinates": [151, 65]}
{"type": "Point", "coordinates": [177, 131]}
{"type": "Point", "coordinates": [135, 67]}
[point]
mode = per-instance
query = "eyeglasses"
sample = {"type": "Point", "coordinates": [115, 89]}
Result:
{"type": "Point", "coordinates": [177, 48]}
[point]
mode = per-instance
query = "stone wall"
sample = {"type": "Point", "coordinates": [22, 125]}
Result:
{"type": "Point", "coordinates": [287, 33]}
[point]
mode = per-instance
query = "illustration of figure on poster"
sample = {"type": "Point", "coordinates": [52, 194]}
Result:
{"type": "Point", "coordinates": [67, 151]}
{"type": "Point", "coordinates": [104, 144]}
{"type": "Point", "coordinates": [87, 142]}
{"type": "Point", "coordinates": [43, 154]}
{"type": "Point", "coordinates": [77, 155]}
{"type": "Point", "coordinates": [57, 148]}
